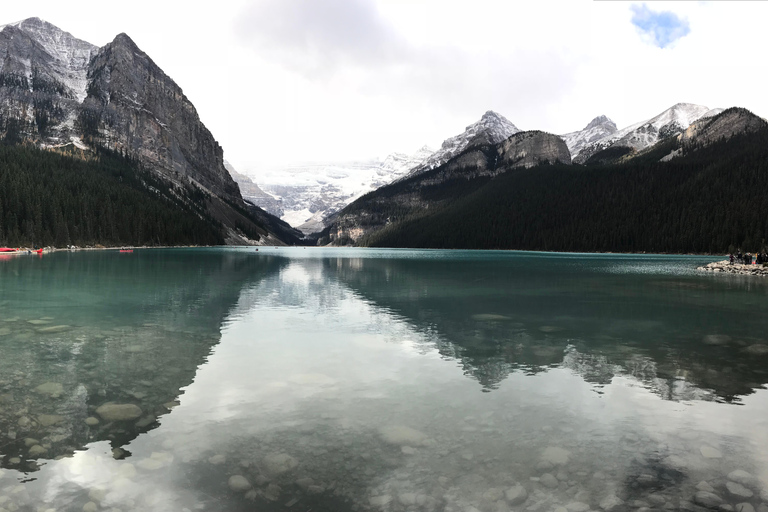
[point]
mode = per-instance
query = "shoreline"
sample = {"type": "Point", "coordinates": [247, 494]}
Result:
{"type": "Point", "coordinates": [725, 267]}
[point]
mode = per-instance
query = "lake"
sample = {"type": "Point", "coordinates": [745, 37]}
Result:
{"type": "Point", "coordinates": [396, 380]}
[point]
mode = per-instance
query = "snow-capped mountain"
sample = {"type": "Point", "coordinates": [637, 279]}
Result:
{"type": "Point", "coordinates": [308, 194]}
{"type": "Point", "coordinates": [646, 133]}
{"type": "Point", "coordinates": [492, 128]}
{"type": "Point", "coordinates": [598, 128]}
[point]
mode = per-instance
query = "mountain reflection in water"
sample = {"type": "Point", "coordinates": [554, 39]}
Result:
{"type": "Point", "coordinates": [683, 336]}
{"type": "Point", "coordinates": [310, 379]}
{"type": "Point", "coordinates": [82, 330]}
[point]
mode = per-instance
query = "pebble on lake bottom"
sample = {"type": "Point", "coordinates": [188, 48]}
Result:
{"type": "Point", "coordinates": [238, 483]}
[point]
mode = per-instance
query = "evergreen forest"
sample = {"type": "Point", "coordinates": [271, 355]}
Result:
{"type": "Point", "coordinates": [49, 198]}
{"type": "Point", "coordinates": [711, 200]}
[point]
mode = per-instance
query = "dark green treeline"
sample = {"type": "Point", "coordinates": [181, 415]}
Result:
{"type": "Point", "coordinates": [48, 198]}
{"type": "Point", "coordinates": [704, 202]}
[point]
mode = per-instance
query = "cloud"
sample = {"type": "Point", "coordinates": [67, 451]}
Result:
{"type": "Point", "coordinates": [318, 37]}
{"type": "Point", "coordinates": [659, 28]}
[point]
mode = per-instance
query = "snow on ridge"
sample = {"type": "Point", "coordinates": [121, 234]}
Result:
{"type": "Point", "coordinates": [596, 129]}
{"type": "Point", "coordinates": [492, 128]}
{"type": "Point", "coordinates": [645, 133]}
{"type": "Point", "coordinates": [70, 54]}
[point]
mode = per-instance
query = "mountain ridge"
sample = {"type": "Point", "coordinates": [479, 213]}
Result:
{"type": "Point", "coordinates": [57, 90]}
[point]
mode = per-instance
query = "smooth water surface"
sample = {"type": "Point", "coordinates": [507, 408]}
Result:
{"type": "Point", "coordinates": [348, 379]}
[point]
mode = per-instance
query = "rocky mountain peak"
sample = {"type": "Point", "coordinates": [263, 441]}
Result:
{"type": "Point", "coordinates": [598, 128]}
{"type": "Point", "coordinates": [602, 121]}
{"type": "Point", "coordinates": [123, 39]}
{"type": "Point", "coordinates": [53, 62]}
{"type": "Point", "coordinates": [491, 128]}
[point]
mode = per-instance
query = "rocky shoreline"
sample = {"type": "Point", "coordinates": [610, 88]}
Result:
{"type": "Point", "coordinates": [735, 268]}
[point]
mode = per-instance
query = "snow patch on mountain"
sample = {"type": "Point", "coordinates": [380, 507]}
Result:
{"type": "Point", "coordinates": [646, 133]}
{"type": "Point", "coordinates": [599, 128]}
{"type": "Point", "coordinates": [310, 193]}
{"type": "Point", "coordinates": [492, 128]}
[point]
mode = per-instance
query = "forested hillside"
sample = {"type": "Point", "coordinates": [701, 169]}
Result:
{"type": "Point", "coordinates": [48, 198]}
{"type": "Point", "coordinates": [708, 199]}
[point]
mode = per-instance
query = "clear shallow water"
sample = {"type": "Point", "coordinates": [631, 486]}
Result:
{"type": "Point", "coordinates": [379, 380]}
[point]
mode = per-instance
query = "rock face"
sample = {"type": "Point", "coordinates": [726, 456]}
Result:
{"type": "Point", "coordinates": [253, 193]}
{"type": "Point", "coordinates": [723, 126]}
{"type": "Point", "coordinates": [133, 106]}
{"type": "Point", "coordinates": [528, 149]}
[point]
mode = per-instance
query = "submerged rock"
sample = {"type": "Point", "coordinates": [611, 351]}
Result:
{"type": "Point", "coordinates": [52, 389]}
{"type": "Point", "coordinates": [548, 480]}
{"type": "Point", "coordinates": [717, 339]}
{"type": "Point", "coordinates": [490, 317]}
{"type": "Point", "coordinates": [380, 501]}
{"type": "Point", "coordinates": [610, 502]}
{"type": "Point", "coordinates": [53, 329]}
{"type": "Point", "coordinates": [48, 420]}
{"type": "Point", "coordinates": [238, 483]}
{"type": "Point", "coordinates": [710, 452]}
{"type": "Point", "coordinates": [119, 412]}
{"type": "Point", "coordinates": [279, 463]}
{"type": "Point", "coordinates": [556, 456]}
{"type": "Point", "coordinates": [741, 477]}
{"type": "Point", "coordinates": [757, 349]}
{"type": "Point", "coordinates": [707, 499]}
{"type": "Point", "coordinates": [401, 435]}
{"type": "Point", "coordinates": [738, 490]}
{"type": "Point", "coordinates": [217, 460]}
{"type": "Point", "coordinates": [37, 450]}
{"type": "Point", "coordinates": [516, 495]}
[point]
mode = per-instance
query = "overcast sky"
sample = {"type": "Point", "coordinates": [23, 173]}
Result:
{"type": "Point", "coordinates": [288, 81]}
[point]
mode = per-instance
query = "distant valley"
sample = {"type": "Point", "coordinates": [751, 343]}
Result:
{"type": "Point", "coordinates": [306, 195]}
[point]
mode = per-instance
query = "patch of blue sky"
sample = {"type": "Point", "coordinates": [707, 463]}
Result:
{"type": "Point", "coordinates": [661, 28]}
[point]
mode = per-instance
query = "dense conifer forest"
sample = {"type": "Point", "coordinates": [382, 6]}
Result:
{"type": "Point", "coordinates": [53, 199]}
{"type": "Point", "coordinates": [709, 200]}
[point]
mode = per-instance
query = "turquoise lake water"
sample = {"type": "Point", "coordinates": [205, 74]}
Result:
{"type": "Point", "coordinates": [395, 380]}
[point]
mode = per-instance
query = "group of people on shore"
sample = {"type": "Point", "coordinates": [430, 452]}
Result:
{"type": "Point", "coordinates": [748, 258]}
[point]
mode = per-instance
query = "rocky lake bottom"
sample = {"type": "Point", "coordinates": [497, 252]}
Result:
{"type": "Point", "coordinates": [310, 380]}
